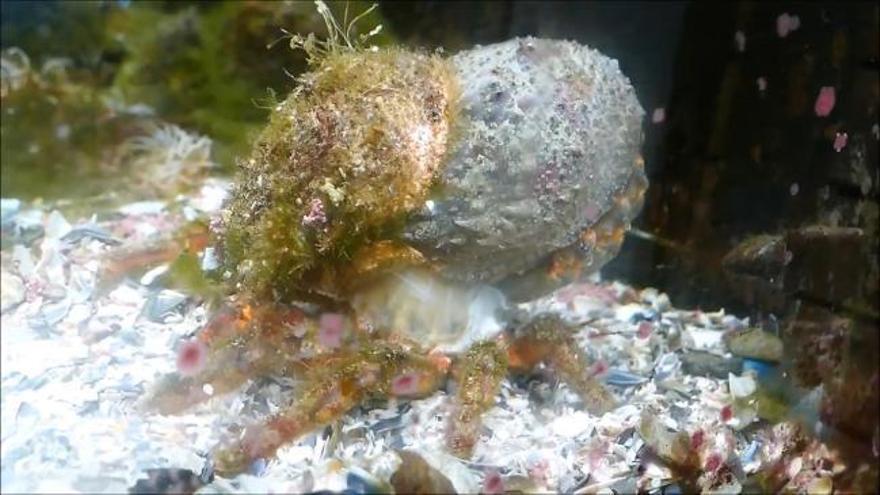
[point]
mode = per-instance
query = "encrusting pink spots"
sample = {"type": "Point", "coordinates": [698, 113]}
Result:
{"type": "Point", "coordinates": [659, 115]}
{"type": "Point", "coordinates": [697, 439]}
{"type": "Point", "coordinates": [645, 329]}
{"type": "Point", "coordinates": [191, 358]}
{"type": "Point", "coordinates": [825, 101]}
{"type": "Point", "coordinates": [787, 23]}
{"type": "Point", "coordinates": [713, 462]}
{"type": "Point", "coordinates": [840, 141]}
{"type": "Point", "coordinates": [596, 453]}
{"type": "Point", "coordinates": [599, 368]}
{"type": "Point", "coordinates": [586, 290]}
{"type": "Point", "coordinates": [539, 471]}
{"type": "Point", "coordinates": [592, 213]}
{"type": "Point", "coordinates": [492, 483]}
{"type": "Point", "coordinates": [331, 328]}
{"type": "Point", "coordinates": [405, 384]}
{"type": "Point", "coordinates": [726, 413]}
{"type": "Point", "coordinates": [316, 214]}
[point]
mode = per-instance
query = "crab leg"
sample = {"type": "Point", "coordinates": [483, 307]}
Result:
{"type": "Point", "coordinates": [479, 376]}
{"type": "Point", "coordinates": [237, 344]}
{"type": "Point", "coordinates": [175, 393]}
{"type": "Point", "coordinates": [548, 339]}
{"type": "Point", "coordinates": [126, 260]}
{"type": "Point", "coordinates": [335, 385]}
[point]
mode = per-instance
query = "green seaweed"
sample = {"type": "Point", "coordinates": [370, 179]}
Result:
{"type": "Point", "coordinates": [185, 273]}
{"type": "Point", "coordinates": [335, 169]}
{"type": "Point", "coordinates": [54, 127]}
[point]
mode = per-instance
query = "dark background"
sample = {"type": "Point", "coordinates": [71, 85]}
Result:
{"type": "Point", "coordinates": [725, 161]}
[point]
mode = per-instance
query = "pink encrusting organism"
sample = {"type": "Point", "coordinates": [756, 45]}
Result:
{"type": "Point", "coordinates": [726, 413]}
{"type": "Point", "coordinates": [331, 328]}
{"type": "Point", "coordinates": [840, 140]}
{"type": "Point", "coordinates": [825, 101]}
{"type": "Point", "coordinates": [599, 368]}
{"type": "Point", "coordinates": [697, 439]}
{"type": "Point", "coordinates": [713, 462]}
{"type": "Point", "coordinates": [645, 329]}
{"type": "Point", "coordinates": [405, 385]}
{"type": "Point", "coordinates": [191, 358]}
{"type": "Point", "coordinates": [315, 215]}
{"type": "Point", "coordinates": [492, 483]}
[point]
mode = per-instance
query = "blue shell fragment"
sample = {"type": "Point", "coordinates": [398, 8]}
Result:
{"type": "Point", "coordinates": [761, 368]}
{"type": "Point", "coordinates": [623, 378]}
{"type": "Point", "coordinates": [749, 453]}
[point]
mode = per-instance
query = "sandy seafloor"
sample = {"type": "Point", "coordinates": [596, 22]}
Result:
{"type": "Point", "coordinates": [74, 365]}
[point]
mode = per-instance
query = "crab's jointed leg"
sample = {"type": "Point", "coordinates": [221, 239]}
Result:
{"type": "Point", "coordinates": [175, 393]}
{"type": "Point", "coordinates": [479, 375]}
{"type": "Point", "coordinates": [547, 338]}
{"type": "Point", "coordinates": [237, 344]}
{"type": "Point", "coordinates": [332, 387]}
{"type": "Point", "coordinates": [126, 260]}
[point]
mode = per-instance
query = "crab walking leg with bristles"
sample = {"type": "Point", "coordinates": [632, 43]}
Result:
{"type": "Point", "coordinates": [237, 344]}
{"type": "Point", "coordinates": [174, 392]}
{"type": "Point", "coordinates": [125, 260]}
{"type": "Point", "coordinates": [478, 374]}
{"type": "Point", "coordinates": [333, 386]}
{"type": "Point", "coordinates": [548, 339]}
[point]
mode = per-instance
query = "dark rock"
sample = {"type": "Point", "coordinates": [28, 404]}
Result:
{"type": "Point", "coordinates": [167, 480]}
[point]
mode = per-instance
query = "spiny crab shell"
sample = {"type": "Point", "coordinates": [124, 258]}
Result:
{"type": "Point", "coordinates": [425, 192]}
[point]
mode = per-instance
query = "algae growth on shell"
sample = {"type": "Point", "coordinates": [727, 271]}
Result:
{"type": "Point", "coordinates": [343, 160]}
{"type": "Point", "coordinates": [483, 165]}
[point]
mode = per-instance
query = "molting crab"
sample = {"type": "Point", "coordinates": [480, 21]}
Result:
{"type": "Point", "coordinates": [392, 214]}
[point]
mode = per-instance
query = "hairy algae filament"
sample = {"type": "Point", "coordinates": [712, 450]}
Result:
{"type": "Point", "coordinates": [343, 161]}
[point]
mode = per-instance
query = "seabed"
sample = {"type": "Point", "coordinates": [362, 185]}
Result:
{"type": "Point", "coordinates": [75, 363]}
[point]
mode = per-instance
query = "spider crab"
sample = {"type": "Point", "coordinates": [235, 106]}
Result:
{"type": "Point", "coordinates": [393, 212]}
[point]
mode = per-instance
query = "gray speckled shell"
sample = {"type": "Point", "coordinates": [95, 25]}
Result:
{"type": "Point", "coordinates": [550, 132]}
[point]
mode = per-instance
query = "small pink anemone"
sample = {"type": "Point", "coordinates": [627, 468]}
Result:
{"type": "Point", "coordinates": [825, 101]}
{"type": "Point", "coordinates": [405, 384]}
{"type": "Point", "coordinates": [493, 483]}
{"type": "Point", "coordinates": [840, 140]}
{"type": "Point", "coordinates": [331, 328]}
{"type": "Point", "coordinates": [191, 358]}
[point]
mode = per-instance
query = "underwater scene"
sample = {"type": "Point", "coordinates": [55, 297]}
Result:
{"type": "Point", "coordinates": [345, 247]}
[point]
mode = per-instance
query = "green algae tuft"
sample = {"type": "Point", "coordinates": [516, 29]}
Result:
{"type": "Point", "coordinates": [344, 159]}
